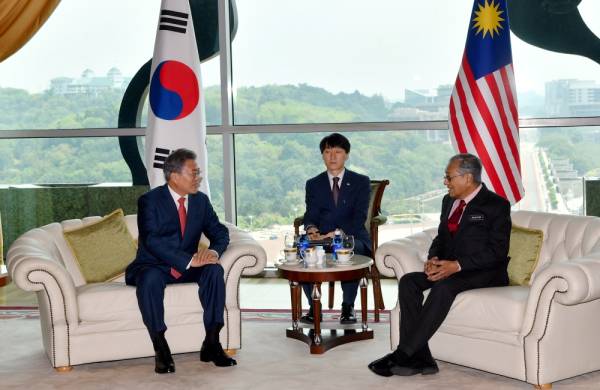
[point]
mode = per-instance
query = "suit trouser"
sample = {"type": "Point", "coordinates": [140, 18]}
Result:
{"type": "Point", "coordinates": [420, 320]}
{"type": "Point", "coordinates": [349, 287]}
{"type": "Point", "coordinates": [150, 290]}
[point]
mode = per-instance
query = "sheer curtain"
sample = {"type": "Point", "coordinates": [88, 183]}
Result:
{"type": "Point", "coordinates": [19, 21]}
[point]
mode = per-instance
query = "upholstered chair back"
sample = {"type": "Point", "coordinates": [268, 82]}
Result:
{"type": "Point", "coordinates": [52, 244]}
{"type": "Point", "coordinates": [566, 237]}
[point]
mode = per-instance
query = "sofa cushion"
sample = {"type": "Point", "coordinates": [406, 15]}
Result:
{"type": "Point", "coordinates": [494, 308]}
{"type": "Point", "coordinates": [102, 248]}
{"type": "Point", "coordinates": [524, 253]}
{"type": "Point", "coordinates": [114, 301]}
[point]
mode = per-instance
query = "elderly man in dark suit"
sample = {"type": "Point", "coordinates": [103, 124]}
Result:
{"type": "Point", "coordinates": [171, 219]}
{"type": "Point", "coordinates": [470, 251]}
{"type": "Point", "coordinates": [338, 199]}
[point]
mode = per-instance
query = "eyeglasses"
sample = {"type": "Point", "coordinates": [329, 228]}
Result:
{"type": "Point", "coordinates": [194, 174]}
{"type": "Point", "coordinates": [449, 178]}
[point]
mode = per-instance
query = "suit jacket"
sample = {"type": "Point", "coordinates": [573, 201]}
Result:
{"type": "Point", "coordinates": [351, 211]}
{"type": "Point", "coordinates": [483, 235]}
{"type": "Point", "coordinates": [160, 243]}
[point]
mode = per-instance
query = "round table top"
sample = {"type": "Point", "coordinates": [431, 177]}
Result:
{"type": "Point", "coordinates": [329, 266]}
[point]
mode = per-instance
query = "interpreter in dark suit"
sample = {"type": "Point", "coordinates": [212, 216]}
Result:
{"type": "Point", "coordinates": [470, 251]}
{"type": "Point", "coordinates": [171, 219]}
{"type": "Point", "coordinates": [338, 199]}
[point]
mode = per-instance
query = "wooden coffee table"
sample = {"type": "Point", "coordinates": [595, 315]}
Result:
{"type": "Point", "coordinates": [320, 340]}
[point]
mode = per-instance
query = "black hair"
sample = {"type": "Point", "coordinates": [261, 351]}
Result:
{"type": "Point", "coordinates": [176, 160]}
{"type": "Point", "coordinates": [335, 140]}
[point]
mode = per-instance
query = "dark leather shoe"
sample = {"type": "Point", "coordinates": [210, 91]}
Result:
{"type": "Point", "coordinates": [162, 355]}
{"type": "Point", "coordinates": [420, 363]}
{"type": "Point", "coordinates": [427, 363]}
{"type": "Point", "coordinates": [348, 316]}
{"type": "Point", "coordinates": [214, 353]}
{"type": "Point", "coordinates": [430, 368]}
{"type": "Point", "coordinates": [412, 367]}
{"type": "Point", "coordinates": [309, 317]}
{"type": "Point", "coordinates": [382, 366]}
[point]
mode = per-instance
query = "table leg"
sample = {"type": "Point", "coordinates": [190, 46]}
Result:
{"type": "Point", "coordinates": [316, 297]}
{"type": "Point", "coordinates": [294, 294]}
{"type": "Point", "coordinates": [363, 301]}
{"type": "Point", "coordinates": [299, 300]}
{"type": "Point", "coordinates": [377, 295]}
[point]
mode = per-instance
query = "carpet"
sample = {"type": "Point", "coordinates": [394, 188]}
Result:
{"type": "Point", "coordinates": [267, 360]}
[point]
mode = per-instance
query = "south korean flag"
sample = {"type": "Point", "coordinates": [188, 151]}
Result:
{"type": "Point", "coordinates": [176, 117]}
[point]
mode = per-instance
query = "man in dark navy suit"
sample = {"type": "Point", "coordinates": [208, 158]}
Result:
{"type": "Point", "coordinates": [171, 219]}
{"type": "Point", "coordinates": [338, 199]}
{"type": "Point", "coordinates": [470, 251]}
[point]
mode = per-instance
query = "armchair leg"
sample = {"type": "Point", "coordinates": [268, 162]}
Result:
{"type": "Point", "coordinates": [331, 290]}
{"type": "Point", "coordinates": [545, 386]}
{"type": "Point", "coordinates": [63, 369]}
{"type": "Point", "coordinates": [377, 295]}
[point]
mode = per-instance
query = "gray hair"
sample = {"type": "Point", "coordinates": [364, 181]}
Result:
{"type": "Point", "coordinates": [174, 163]}
{"type": "Point", "coordinates": [468, 163]}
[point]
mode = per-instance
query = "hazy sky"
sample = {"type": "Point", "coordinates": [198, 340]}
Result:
{"type": "Point", "coordinates": [375, 46]}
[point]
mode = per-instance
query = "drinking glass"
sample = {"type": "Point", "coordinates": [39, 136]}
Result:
{"type": "Point", "coordinates": [289, 240]}
{"type": "Point", "coordinates": [348, 242]}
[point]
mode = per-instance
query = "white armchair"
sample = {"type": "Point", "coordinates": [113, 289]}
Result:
{"type": "Point", "coordinates": [540, 333]}
{"type": "Point", "coordinates": [83, 323]}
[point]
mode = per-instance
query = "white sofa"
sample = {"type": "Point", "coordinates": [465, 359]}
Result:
{"type": "Point", "coordinates": [541, 333]}
{"type": "Point", "coordinates": [83, 323]}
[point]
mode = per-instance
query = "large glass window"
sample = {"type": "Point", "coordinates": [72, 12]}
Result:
{"type": "Point", "coordinates": [271, 171]}
{"type": "Point", "coordinates": [553, 84]}
{"type": "Point", "coordinates": [390, 61]}
{"type": "Point", "coordinates": [74, 71]}
{"type": "Point", "coordinates": [62, 161]}
{"type": "Point", "coordinates": [344, 61]}
{"type": "Point", "coordinates": [76, 161]}
{"type": "Point", "coordinates": [301, 62]}
{"type": "Point", "coordinates": [555, 162]}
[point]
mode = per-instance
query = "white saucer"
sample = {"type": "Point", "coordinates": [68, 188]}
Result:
{"type": "Point", "coordinates": [293, 262]}
{"type": "Point", "coordinates": [343, 263]}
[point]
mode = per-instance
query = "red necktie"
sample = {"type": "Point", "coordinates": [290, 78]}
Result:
{"type": "Point", "coordinates": [335, 190]}
{"type": "Point", "coordinates": [182, 218]}
{"type": "Point", "coordinates": [455, 217]}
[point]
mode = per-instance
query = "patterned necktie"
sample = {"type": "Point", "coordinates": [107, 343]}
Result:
{"type": "Point", "coordinates": [182, 218]}
{"type": "Point", "coordinates": [335, 190]}
{"type": "Point", "coordinates": [455, 217]}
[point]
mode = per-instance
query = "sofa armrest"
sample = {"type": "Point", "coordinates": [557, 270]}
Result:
{"type": "Point", "coordinates": [568, 283]}
{"type": "Point", "coordinates": [242, 257]}
{"type": "Point", "coordinates": [398, 257]}
{"type": "Point", "coordinates": [247, 257]}
{"type": "Point", "coordinates": [33, 269]}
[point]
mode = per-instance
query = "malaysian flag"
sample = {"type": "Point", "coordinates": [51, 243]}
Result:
{"type": "Point", "coordinates": [176, 117]}
{"type": "Point", "coordinates": [483, 107]}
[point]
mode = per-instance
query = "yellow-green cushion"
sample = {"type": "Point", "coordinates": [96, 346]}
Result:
{"type": "Point", "coordinates": [103, 249]}
{"type": "Point", "coordinates": [524, 252]}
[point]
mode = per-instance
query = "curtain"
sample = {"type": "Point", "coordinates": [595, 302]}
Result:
{"type": "Point", "coordinates": [19, 21]}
